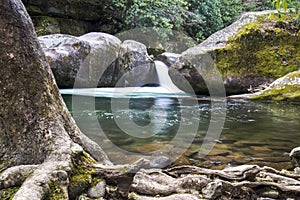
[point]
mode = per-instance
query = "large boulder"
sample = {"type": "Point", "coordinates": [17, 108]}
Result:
{"type": "Point", "coordinates": [97, 60]}
{"type": "Point", "coordinates": [249, 53]}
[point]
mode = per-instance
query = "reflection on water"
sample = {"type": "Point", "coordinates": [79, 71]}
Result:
{"type": "Point", "coordinates": [254, 132]}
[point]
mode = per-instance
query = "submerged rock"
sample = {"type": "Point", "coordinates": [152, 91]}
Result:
{"type": "Point", "coordinates": [248, 54]}
{"type": "Point", "coordinates": [96, 60]}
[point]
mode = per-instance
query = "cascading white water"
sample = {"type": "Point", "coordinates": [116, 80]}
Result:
{"type": "Point", "coordinates": [166, 88]}
{"type": "Point", "coordinates": [164, 78]}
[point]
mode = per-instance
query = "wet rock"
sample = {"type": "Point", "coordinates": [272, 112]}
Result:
{"type": "Point", "coordinates": [182, 160]}
{"type": "Point", "coordinates": [272, 194]}
{"type": "Point", "coordinates": [147, 148]}
{"type": "Point", "coordinates": [171, 197]}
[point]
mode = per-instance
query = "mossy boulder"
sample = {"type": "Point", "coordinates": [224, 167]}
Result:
{"type": "Point", "coordinates": [251, 52]}
{"type": "Point", "coordinates": [285, 88]}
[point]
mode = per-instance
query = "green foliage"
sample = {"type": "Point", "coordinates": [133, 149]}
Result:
{"type": "Point", "coordinates": [282, 6]}
{"type": "Point", "coordinates": [148, 13]}
{"type": "Point", "coordinates": [211, 16]}
{"type": "Point", "coordinates": [230, 10]}
{"type": "Point", "coordinates": [257, 5]}
{"type": "Point", "coordinates": [161, 15]}
{"type": "Point", "coordinates": [208, 18]}
{"type": "Point", "coordinates": [197, 19]}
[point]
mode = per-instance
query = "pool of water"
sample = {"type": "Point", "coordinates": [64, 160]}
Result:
{"type": "Point", "coordinates": [254, 132]}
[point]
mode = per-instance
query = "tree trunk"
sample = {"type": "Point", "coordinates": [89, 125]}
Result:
{"type": "Point", "coordinates": [36, 128]}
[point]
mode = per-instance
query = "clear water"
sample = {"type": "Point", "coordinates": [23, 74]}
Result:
{"type": "Point", "coordinates": [254, 132]}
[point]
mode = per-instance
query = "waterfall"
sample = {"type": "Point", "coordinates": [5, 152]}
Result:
{"type": "Point", "coordinates": [166, 88]}
{"type": "Point", "coordinates": [164, 78]}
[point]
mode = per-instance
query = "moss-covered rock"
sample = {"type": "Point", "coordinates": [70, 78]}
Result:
{"type": "Point", "coordinates": [251, 52]}
{"type": "Point", "coordinates": [285, 88]}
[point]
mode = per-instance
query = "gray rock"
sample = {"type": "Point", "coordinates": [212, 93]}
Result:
{"type": "Point", "coordinates": [97, 60]}
{"type": "Point", "coordinates": [98, 190]}
{"type": "Point", "coordinates": [135, 66]}
{"type": "Point", "coordinates": [171, 197]}
{"type": "Point", "coordinates": [292, 78]}
{"type": "Point", "coordinates": [65, 54]}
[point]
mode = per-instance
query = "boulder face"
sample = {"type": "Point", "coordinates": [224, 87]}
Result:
{"type": "Point", "coordinates": [65, 54]}
{"type": "Point", "coordinates": [249, 53]}
{"type": "Point", "coordinates": [97, 60]}
{"type": "Point", "coordinates": [135, 65]}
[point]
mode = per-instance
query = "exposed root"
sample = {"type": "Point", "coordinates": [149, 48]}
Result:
{"type": "Point", "coordinates": [243, 182]}
{"type": "Point", "coordinates": [15, 176]}
{"type": "Point", "coordinates": [137, 182]}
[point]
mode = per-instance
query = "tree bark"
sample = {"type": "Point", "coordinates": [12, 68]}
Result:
{"type": "Point", "coordinates": [36, 128]}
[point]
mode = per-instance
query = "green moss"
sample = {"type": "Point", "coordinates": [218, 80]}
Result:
{"type": "Point", "coordinates": [81, 177]}
{"type": "Point", "coordinates": [261, 49]}
{"type": "Point", "coordinates": [80, 182]}
{"type": "Point", "coordinates": [289, 92]}
{"type": "Point", "coordinates": [9, 193]}
{"type": "Point", "coordinates": [132, 196]}
{"type": "Point", "coordinates": [47, 25]}
{"type": "Point", "coordinates": [3, 164]}
{"type": "Point", "coordinates": [55, 192]}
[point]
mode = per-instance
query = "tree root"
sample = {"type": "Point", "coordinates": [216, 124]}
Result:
{"type": "Point", "coordinates": [243, 182]}
{"type": "Point", "coordinates": [138, 182]}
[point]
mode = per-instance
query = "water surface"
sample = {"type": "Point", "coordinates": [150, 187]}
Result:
{"type": "Point", "coordinates": [254, 132]}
